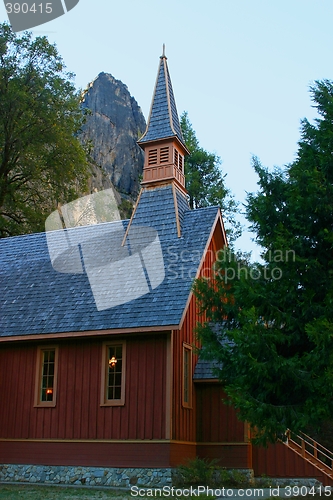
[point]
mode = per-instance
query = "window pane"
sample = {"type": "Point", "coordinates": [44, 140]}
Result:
{"type": "Point", "coordinates": [186, 375]}
{"type": "Point", "coordinates": [47, 380]}
{"type": "Point", "coordinates": [114, 372]}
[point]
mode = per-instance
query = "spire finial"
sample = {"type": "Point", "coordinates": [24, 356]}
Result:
{"type": "Point", "coordinates": [163, 56]}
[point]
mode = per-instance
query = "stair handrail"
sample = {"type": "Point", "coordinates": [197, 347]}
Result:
{"type": "Point", "coordinates": [318, 444]}
{"type": "Point", "coordinates": [317, 447]}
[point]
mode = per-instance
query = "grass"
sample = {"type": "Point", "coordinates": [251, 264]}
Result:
{"type": "Point", "coordinates": [28, 492]}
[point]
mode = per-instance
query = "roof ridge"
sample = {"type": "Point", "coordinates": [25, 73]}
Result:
{"type": "Point", "coordinates": [166, 71]}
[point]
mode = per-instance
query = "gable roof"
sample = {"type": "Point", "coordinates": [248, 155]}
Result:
{"type": "Point", "coordinates": [163, 121]}
{"type": "Point", "coordinates": [36, 299]}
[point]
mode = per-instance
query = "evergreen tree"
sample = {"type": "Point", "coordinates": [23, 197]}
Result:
{"type": "Point", "coordinates": [270, 324]}
{"type": "Point", "coordinates": [205, 181]}
{"type": "Point", "coordinates": [42, 161]}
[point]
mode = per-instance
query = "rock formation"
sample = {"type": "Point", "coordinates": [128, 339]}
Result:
{"type": "Point", "coordinates": [112, 128]}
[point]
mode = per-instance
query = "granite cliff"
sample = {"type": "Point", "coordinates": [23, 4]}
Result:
{"type": "Point", "coordinates": [113, 126]}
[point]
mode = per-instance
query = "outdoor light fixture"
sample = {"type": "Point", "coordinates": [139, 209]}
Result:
{"type": "Point", "coordinates": [112, 362]}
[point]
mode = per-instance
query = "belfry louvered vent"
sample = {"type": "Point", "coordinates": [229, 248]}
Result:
{"type": "Point", "coordinates": [152, 157]}
{"type": "Point", "coordinates": [176, 158]}
{"type": "Point", "coordinates": [164, 155]}
{"type": "Point", "coordinates": [180, 163]}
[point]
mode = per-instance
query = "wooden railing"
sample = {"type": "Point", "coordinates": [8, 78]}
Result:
{"type": "Point", "coordinates": [312, 451]}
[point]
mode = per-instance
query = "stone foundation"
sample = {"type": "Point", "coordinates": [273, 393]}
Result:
{"type": "Point", "coordinates": [272, 482]}
{"type": "Point", "coordinates": [125, 478]}
{"type": "Point", "coordinates": [90, 476]}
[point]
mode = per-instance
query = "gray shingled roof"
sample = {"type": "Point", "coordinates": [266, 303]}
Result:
{"type": "Point", "coordinates": [208, 369]}
{"type": "Point", "coordinates": [35, 298]}
{"type": "Point", "coordinates": [205, 370]}
{"type": "Point", "coordinates": [163, 120]}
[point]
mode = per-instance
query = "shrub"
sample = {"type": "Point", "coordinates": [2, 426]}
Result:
{"type": "Point", "coordinates": [196, 471]}
{"type": "Point", "coordinates": [205, 472]}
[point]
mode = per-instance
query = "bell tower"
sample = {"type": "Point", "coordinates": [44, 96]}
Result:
{"type": "Point", "coordinates": [165, 149]}
{"type": "Point", "coordinates": [163, 142]}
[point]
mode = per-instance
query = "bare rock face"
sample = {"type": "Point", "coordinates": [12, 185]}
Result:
{"type": "Point", "coordinates": [115, 124]}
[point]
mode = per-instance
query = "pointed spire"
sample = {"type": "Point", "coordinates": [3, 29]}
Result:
{"type": "Point", "coordinates": [163, 121]}
{"type": "Point", "coordinates": [163, 142]}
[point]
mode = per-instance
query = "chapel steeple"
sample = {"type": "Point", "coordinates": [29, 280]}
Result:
{"type": "Point", "coordinates": [163, 142]}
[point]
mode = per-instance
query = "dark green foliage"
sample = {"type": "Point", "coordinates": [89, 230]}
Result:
{"type": "Point", "coordinates": [205, 181]}
{"type": "Point", "coordinates": [273, 321]}
{"type": "Point", "coordinates": [125, 208]}
{"type": "Point", "coordinates": [196, 471]}
{"type": "Point", "coordinates": [42, 162]}
{"type": "Point", "coordinates": [205, 472]}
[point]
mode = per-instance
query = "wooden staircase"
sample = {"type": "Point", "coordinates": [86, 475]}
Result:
{"type": "Point", "coordinates": [311, 451]}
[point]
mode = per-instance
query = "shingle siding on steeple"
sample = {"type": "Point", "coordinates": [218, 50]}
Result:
{"type": "Point", "coordinates": [163, 121]}
{"type": "Point", "coordinates": [159, 125]}
{"type": "Point", "coordinates": [173, 108]}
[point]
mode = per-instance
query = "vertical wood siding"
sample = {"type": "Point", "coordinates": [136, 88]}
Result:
{"type": "Point", "coordinates": [230, 456]}
{"type": "Point", "coordinates": [217, 422]}
{"type": "Point", "coordinates": [184, 419]}
{"type": "Point", "coordinates": [78, 414]}
{"type": "Point", "coordinates": [99, 454]}
{"type": "Point", "coordinates": [279, 461]}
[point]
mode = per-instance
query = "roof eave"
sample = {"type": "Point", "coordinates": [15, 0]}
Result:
{"type": "Point", "coordinates": [88, 333]}
{"type": "Point", "coordinates": [175, 137]}
{"type": "Point", "coordinates": [218, 219]}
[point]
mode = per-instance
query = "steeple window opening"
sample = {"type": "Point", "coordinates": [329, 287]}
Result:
{"type": "Point", "coordinates": [176, 157]}
{"type": "Point", "coordinates": [152, 157]}
{"type": "Point", "coordinates": [178, 160]}
{"type": "Point", "coordinates": [164, 154]}
{"type": "Point", "coordinates": [180, 164]}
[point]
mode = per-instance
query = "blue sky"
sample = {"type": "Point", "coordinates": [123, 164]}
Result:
{"type": "Point", "coordinates": [241, 68]}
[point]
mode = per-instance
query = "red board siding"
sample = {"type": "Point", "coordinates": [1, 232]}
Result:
{"type": "Point", "coordinates": [280, 461]}
{"type": "Point", "coordinates": [116, 454]}
{"type": "Point", "coordinates": [181, 452]}
{"type": "Point", "coordinates": [78, 414]}
{"type": "Point", "coordinates": [216, 421]}
{"type": "Point", "coordinates": [92, 454]}
{"type": "Point", "coordinates": [230, 456]}
{"type": "Point", "coordinates": [184, 419]}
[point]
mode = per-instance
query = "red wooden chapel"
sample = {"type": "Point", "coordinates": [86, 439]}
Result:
{"type": "Point", "coordinates": [119, 386]}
